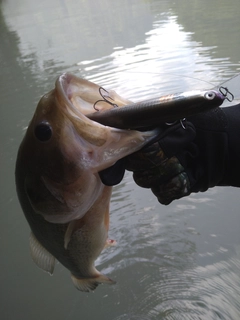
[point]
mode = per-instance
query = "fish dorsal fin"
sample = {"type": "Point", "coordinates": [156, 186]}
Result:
{"type": "Point", "coordinates": [41, 256]}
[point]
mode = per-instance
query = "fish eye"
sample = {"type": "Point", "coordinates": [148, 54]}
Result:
{"type": "Point", "coordinates": [43, 131]}
{"type": "Point", "coordinates": [210, 95]}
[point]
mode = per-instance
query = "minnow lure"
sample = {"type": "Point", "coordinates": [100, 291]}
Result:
{"type": "Point", "coordinates": [152, 112]}
{"type": "Point", "coordinates": [169, 108]}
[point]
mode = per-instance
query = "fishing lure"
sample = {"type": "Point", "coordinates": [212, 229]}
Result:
{"type": "Point", "coordinates": [165, 109]}
{"type": "Point", "coordinates": [152, 112]}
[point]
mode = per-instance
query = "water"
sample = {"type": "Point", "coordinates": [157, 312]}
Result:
{"type": "Point", "coordinates": [176, 262]}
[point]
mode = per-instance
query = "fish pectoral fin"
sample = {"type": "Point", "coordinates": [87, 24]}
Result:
{"type": "Point", "coordinates": [110, 243]}
{"type": "Point", "coordinates": [69, 232]}
{"type": "Point", "coordinates": [90, 284]}
{"type": "Point", "coordinates": [41, 256]}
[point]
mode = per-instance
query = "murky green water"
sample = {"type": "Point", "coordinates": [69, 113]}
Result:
{"type": "Point", "coordinates": [176, 262]}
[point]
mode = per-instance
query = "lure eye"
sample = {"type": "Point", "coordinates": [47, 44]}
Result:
{"type": "Point", "coordinates": [43, 131]}
{"type": "Point", "coordinates": [210, 95]}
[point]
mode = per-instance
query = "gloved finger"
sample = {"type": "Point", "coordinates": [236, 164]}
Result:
{"type": "Point", "coordinates": [146, 158]}
{"type": "Point", "coordinates": [177, 137]}
{"type": "Point", "coordinates": [114, 174]}
{"type": "Point", "coordinates": [172, 141]}
{"type": "Point", "coordinates": [159, 174]}
{"type": "Point", "coordinates": [176, 188]}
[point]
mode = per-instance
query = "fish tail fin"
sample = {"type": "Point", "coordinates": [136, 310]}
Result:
{"type": "Point", "coordinates": [90, 284]}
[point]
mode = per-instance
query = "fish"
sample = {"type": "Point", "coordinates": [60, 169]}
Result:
{"type": "Point", "coordinates": [57, 177]}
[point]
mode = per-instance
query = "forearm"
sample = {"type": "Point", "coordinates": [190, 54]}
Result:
{"type": "Point", "coordinates": [232, 173]}
{"type": "Point", "coordinates": [218, 142]}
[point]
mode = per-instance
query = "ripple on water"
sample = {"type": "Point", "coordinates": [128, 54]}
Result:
{"type": "Point", "coordinates": [167, 282]}
{"type": "Point", "coordinates": [210, 293]}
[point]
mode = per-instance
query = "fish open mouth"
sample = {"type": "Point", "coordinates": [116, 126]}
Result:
{"type": "Point", "coordinates": [76, 98]}
{"type": "Point", "coordinates": [87, 96]}
{"type": "Point", "coordinates": [81, 93]}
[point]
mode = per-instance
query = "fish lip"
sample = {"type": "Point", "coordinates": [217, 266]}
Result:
{"type": "Point", "coordinates": [64, 93]}
{"type": "Point", "coordinates": [62, 85]}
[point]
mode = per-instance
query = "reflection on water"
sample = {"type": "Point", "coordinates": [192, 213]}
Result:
{"type": "Point", "coordinates": [176, 262]}
{"type": "Point", "coordinates": [148, 69]}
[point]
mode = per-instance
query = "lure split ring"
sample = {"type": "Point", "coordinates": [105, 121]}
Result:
{"type": "Point", "coordinates": [226, 93]}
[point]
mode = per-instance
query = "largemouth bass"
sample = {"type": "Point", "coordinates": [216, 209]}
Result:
{"type": "Point", "coordinates": [57, 177]}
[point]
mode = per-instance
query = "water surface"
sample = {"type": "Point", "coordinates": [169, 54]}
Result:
{"type": "Point", "coordinates": [176, 262]}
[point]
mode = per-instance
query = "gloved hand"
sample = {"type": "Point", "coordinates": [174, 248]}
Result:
{"type": "Point", "coordinates": [191, 156]}
{"type": "Point", "coordinates": [151, 162]}
{"type": "Point", "coordinates": [158, 166]}
{"type": "Point", "coordinates": [204, 154]}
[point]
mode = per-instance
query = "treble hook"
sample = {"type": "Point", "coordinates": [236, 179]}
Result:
{"type": "Point", "coordinates": [104, 96]}
{"type": "Point", "coordinates": [226, 93]}
{"type": "Point", "coordinates": [182, 121]}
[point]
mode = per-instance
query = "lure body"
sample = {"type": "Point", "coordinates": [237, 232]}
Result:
{"type": "Point", "coordinates": [153, 112]}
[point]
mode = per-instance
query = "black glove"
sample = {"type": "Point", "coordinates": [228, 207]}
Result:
{"type": "Point", "coordinates": [189, 156]}
{"type": "Point", "coordinates": [150, 157]}
{"type": "Point", "coordinates": [183, 162]}
{"type": "Point", "coordinates": [158, 166]}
